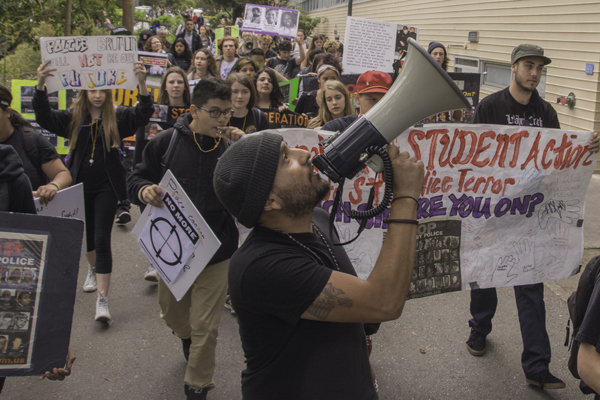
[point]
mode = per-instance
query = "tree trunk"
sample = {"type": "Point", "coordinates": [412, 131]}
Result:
{"type": "Point", "coordinates": [68, 18]}
{"type": "Point", "coordinates": [128, 14]}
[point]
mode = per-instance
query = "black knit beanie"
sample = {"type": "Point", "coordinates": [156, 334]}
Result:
{"type": "Point", "coordinates": [434, 45]}
{"type": "Point", "coordinates": [245, 173]}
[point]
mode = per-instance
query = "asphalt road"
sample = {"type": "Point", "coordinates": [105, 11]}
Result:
{"type": "Point", "coordinates": [422, 355]}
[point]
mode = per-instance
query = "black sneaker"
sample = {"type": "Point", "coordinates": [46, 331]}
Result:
{"type": "Point", "coordinates": [545, 380]}
{"type": "Point", "coordinates": [186, 343]}
{"type": "Point", "coordinates": [476, 343]}
{"type": "Point", "coordinates": [123, 217]}
{"type": "Point", "coordinates": [195, 394]}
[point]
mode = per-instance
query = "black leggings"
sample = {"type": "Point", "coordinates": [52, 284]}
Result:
{"type": "Point", "coordinates": [100, 208]}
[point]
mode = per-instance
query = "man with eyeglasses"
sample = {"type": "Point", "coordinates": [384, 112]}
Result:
{"type": "Point", "coordinates": [190, 150]}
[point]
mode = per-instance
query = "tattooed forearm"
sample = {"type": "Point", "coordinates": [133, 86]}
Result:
{"type": "Point", "coordinates": [327, 300]}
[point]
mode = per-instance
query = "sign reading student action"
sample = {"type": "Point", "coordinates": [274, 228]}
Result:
{"type": "Point", "coordinates": [90, 62]}
{"type": "Point", "coordinates": [500, 206]}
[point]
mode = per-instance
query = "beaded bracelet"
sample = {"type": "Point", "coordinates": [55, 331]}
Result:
{"type": "Point", "coordinates": [400, 221]}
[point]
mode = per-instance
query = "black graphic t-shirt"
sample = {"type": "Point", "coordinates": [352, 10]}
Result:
{"type": "Point", "coordinates": [255, 121]}
{"type": "Point", "coordinates": [283, 67]}
{"type": "Point", "coordinates": [502, 109]}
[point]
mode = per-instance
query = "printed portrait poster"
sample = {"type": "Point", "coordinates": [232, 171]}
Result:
{"type": "Point", "coordinates": [39, 262]}
{"type": "Point", "coordinates": [500, 206]}
{"type": "Point", "coordinates": [90, 62]}
{"type": "Point", "coordinates": [403, 33]}
{"type": "Point", "coordinates": [156, 66]}
{"type": "Point", "coordinates": [274, 21]}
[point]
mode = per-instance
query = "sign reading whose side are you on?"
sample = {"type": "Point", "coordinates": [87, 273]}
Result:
{"type": "Point", "coordinates": [90, 62]}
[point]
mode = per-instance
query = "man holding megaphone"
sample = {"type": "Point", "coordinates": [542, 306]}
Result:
{"type": "Point", "coordinates": [299, 302]}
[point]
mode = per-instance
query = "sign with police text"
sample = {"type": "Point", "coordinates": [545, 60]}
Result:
{"type": "Point", "coordinates": [517, 192]}
{"type": "Point", "coordinates": [90, 62]}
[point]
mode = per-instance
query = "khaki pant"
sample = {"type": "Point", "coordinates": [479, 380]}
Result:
{"type": "Point", "coordinates": [197, 315]}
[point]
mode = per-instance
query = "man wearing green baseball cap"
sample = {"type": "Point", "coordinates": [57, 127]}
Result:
{"type": "Point", "coordinates": [520, 104]}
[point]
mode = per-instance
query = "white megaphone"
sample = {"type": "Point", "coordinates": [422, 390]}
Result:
{"type": "Point", "coordinates": [421, 89]}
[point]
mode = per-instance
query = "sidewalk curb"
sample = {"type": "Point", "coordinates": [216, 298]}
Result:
{"type": "Point", "coordinates": [557, 290]}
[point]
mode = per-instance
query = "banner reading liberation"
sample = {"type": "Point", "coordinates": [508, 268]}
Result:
{"type": "Point", "coordinates": [501, 206]}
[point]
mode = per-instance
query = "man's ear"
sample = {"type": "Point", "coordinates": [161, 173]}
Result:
{"type": "Point", "coordinates": [357, 99]}
{"type": "Point", "coordinates": [273, 203]}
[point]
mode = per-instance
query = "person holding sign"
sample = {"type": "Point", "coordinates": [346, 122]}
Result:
{"type": "Point", "coordinates": [95, 130]}
{"type": "Point", "coordinates": [40, 159]}
{"type": "Point", "coordinates": [196, 141]}
{"type": "Point", "coordinates": [245, 116]}
{"type": "Point", "coordinates": [519, 104]}
{"type": "Point", "coordinates": [299, 303]}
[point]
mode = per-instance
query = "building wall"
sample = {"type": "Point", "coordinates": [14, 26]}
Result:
{"type": "Point", "coordinates": [568, 31]}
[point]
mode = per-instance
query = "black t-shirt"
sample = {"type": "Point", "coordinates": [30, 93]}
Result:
{"type": "Point", "coordinates": [339, 124]}
{"type": "Point", "coordinates": [307, 104]}
{"type": "Point", "coordinates": [589, 331]}
{"type": "Point", "coordinates": [270, 54]}
{"type": "Point", "coordinates": [94, 175]}
{"type": "Point", "coordinates": [283, 67]}
{"type": "Point", "coordinates": [272, 282]}
{"type": "Point", "coordinates": [46, 152]}
{"type": "Point", "coordinates": [255, 121]}
{"type": "Point", "coordinates": [502, 109]}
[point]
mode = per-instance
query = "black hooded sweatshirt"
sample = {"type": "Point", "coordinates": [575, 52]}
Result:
{"type": "Point", "coordinates": [15, 188]}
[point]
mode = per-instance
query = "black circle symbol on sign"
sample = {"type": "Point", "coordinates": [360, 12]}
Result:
{"type": "Point", "coordinates": [168, 249]}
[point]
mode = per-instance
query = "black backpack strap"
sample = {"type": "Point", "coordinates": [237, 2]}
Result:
{"type": "Point", "coordinates": [30, 147]}
{"type": "Point", "coordinates": [165, 160]}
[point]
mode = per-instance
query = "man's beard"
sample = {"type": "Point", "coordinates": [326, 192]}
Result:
{"type": "Point", "coordinates": [299, 201]}
{"type": "Point", "coordinates": [520, 84]}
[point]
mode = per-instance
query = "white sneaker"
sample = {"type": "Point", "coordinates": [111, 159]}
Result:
{"type": "Point", "coordinates": [102, 313]}
{"type": "Point", "coordinates": [90, 280]}
{"type": "Point", "coordinates": [151, 275]}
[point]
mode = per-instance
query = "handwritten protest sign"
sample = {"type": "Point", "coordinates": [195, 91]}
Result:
{"type": "Point", "coordinates": [274, 21]}
{"type": "Point", "coordinates": [184, 219]}
{"type": "Point", "coordinates": [67, 203]}
{"type": "Point", "coordinates": [378, 37]}
{"type": "Point", "coordinates": [90, 62]}
{"type": "Point", "coordinates": [518, 193]}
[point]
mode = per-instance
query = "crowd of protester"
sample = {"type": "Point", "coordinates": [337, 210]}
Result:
{"type": "Point", "coordinates": [236, 83]}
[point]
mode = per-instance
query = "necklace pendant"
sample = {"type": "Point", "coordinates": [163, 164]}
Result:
{"type": "Point", "coordinates": [91, 161]}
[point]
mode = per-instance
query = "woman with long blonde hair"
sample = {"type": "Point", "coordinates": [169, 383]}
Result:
{"type": "Point", "coordinates": [335, 103]}
{"type": "Point", "coordinates": [95, 130]}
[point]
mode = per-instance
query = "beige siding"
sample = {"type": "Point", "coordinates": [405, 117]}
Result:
{"type": "Point", "coordinates": [568, 31]}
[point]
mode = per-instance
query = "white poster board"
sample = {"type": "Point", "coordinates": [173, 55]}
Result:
{"type": "Point", "coordinates": [156, 239]}
{"type": "Point", "coordinates": [90, 62]}
{"type": "Point", "coordinates": [369, 45]}
{"type": "Point", "coordinates": [67, 203]}
{"type": "Point", "coordinates": [501, 206]}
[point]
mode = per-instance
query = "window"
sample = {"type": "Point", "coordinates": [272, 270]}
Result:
{"type": "Point", "coordinates": [466, 64]}
{"type": "Point", "coordinates": [496, 75]}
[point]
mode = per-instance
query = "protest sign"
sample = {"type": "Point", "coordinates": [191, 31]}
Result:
{"type": "Point", "coordinates": [403, 33]}
{"type": "Point", "coordinates": [220, 33]}
{"type": "Point", "coordinates": [518, 193]}
{"type": "Point", "coordinates": [369, 45]}
{"type": "Point", "coordinates": [156, 66]}
{"type": "Point", "coordinates": [290, 92]}
{"type": "Point", "coordinates": [285, 119]}
{"type": "Point", "coordinates": [22, 91]}
{"type": "Point", "coordinates": [39, 263]}
{"type": "Point", "coordinates": [183, 218]}
{"type": "Point", "coordinates": [274, 21]}
{"type": "Point", "coordinates": [90, 62]}
{"type": "Point", "coordinates": [67, 203]}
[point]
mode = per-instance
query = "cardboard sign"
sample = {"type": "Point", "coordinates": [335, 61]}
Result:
{"type": "Point", "coordinates": [90, 62]}
{"type": "Point", "coordinates": [161, 235]}
{"type": "Point", "coordinates": [274, 21]}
